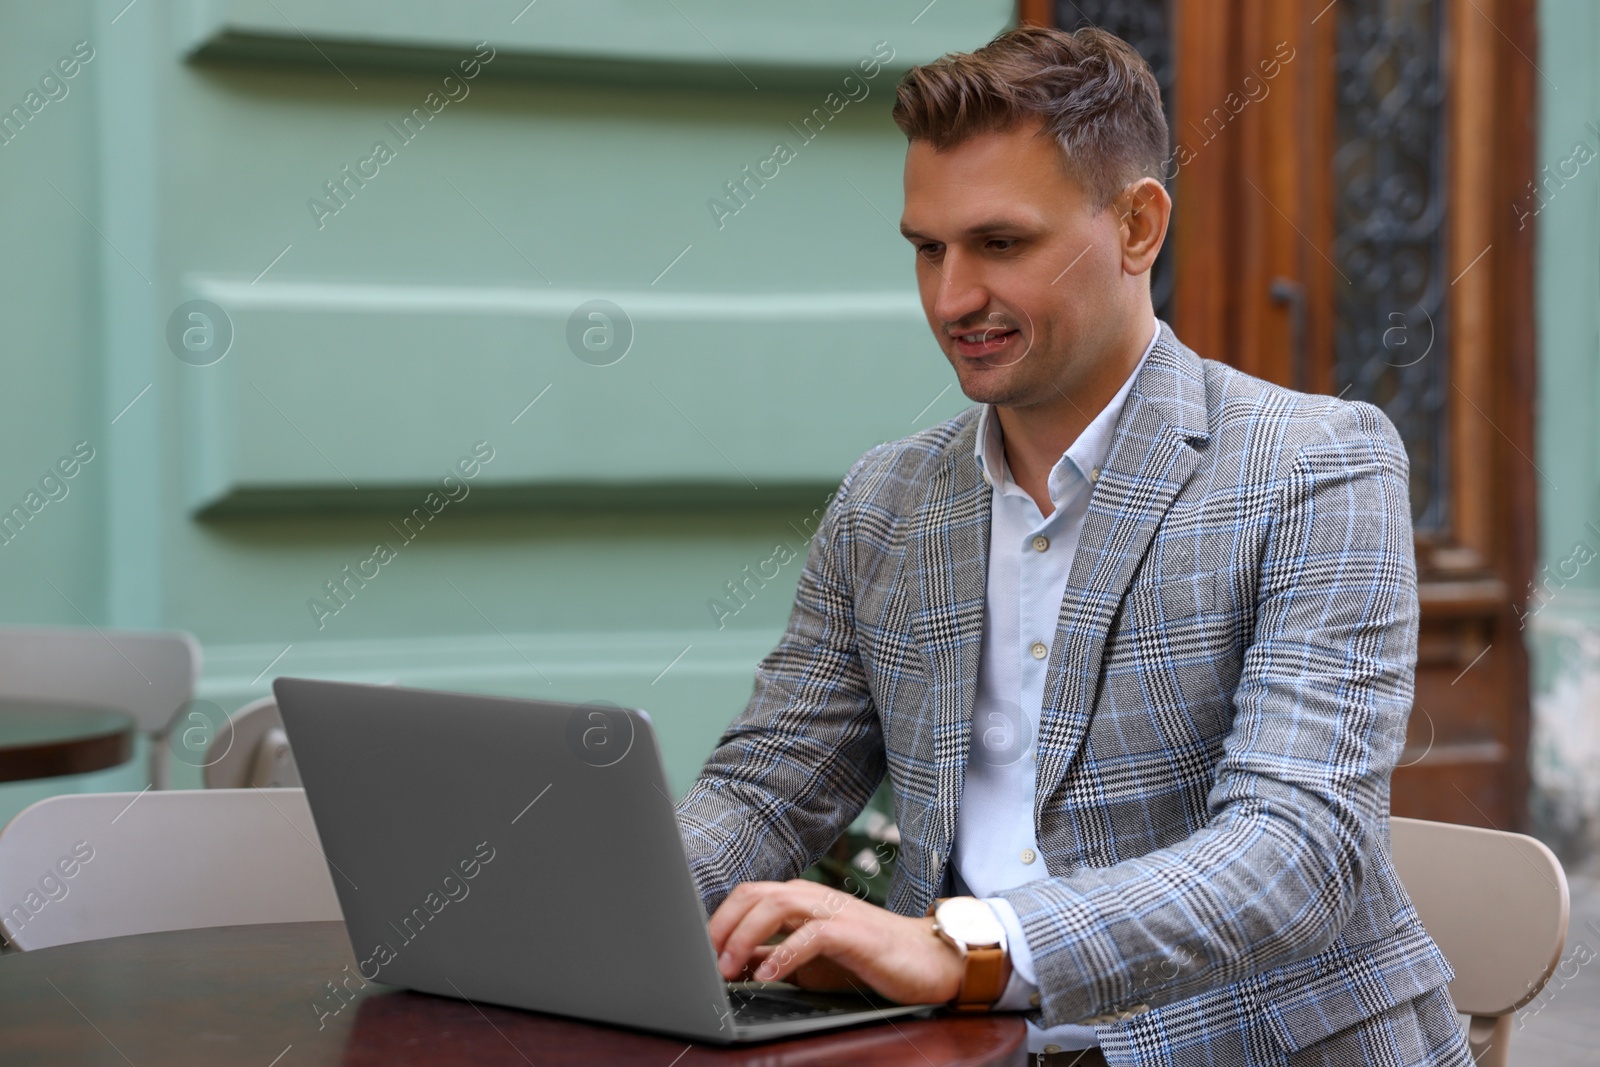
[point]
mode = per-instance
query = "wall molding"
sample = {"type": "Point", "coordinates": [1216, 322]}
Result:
{"type": "Point", "coordinates": [691, 683]}
{"type": "Point", "coordinates": [136, 396]}
{"type": "Point", "coordinates": [399, 298]}
{"type": "Point", "coordinates": [355, 394]}
{"type": "Point", "coordinates": [488, 662]}
{"type": "Point", "coordinates": [708, 43]}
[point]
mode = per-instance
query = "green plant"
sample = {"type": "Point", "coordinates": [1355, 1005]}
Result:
{"type": "Point", "coordinates": [861, 862]}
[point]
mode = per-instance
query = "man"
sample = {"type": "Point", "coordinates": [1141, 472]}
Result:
{"type": "Point", "coordinates": [1133, 639]}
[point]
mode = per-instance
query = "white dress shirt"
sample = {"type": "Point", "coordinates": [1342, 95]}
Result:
{"type": "Point", "coordinates": [1030, 557]}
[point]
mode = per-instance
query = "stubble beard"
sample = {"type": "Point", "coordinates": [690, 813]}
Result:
{"type": "Point", "coordinates": [1000, 386]}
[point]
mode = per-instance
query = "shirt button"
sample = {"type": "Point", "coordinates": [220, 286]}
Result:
{"type": "Point", "coordinates": [1041, 543]}
{"type": "Point", "coordinates": [1094, 475]}
{"type": "Point", "coordinates": [1028, 855]}
{"type": "Point", "coordinates": [1033, 999]}
{"type": "Point", "coordinates": [1039, 650]}
{"type": "Point", "coordinates": [1051, 1050]}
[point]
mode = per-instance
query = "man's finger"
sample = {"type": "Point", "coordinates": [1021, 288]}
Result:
{"type": "Point", "coordinates": [825, 974]}
{"type": "Point", "coordinates": [798, 949]}
{"type": "Point", "coordinates": [769, 914]}
{"type": "Point", "coordinates": [733, 909]}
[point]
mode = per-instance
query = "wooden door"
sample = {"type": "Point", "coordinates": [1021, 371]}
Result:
{"type": "Point", "coordinates": [1345, 181]}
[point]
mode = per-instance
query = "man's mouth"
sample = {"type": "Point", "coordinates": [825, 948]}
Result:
{"type": "Point", "coordinates": [979, 344]}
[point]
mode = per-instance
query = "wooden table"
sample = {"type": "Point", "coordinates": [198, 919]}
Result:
{"type": "Point", "coordinates": [43, 740]}
{"type": "Point", "coordinates": [251, 995]}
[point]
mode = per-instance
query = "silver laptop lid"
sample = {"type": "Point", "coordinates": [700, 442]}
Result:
{"type": "Point", "coordinates": [512, 851]}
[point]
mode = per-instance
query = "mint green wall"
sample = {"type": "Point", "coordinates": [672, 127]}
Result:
{"type": "Point", "coordinates": [373, 347]}
{"type": "Point", "coordinates": [1568, 280]}
{"type": "Point", "coordinates": [50, 321]}
{"type": "Point", "coordinates": [1564, 628]}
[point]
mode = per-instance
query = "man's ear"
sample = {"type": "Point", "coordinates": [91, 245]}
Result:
{"type": "Point", "coordinates": [1143, 209]}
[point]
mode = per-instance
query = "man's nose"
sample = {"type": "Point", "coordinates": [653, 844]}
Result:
{"type": "Point", "coordinates": [961, 293]}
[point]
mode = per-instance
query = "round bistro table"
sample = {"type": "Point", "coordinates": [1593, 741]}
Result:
{"type": "Point", "coordinates": [43, 740]}
{"type": "Point", "coordinates": [261, 996]}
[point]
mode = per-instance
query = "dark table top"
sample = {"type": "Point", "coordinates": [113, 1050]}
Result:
{"type": "Point", "coordinates": [261, 996]}
{"type": "Point", "coordinates": [43, 740]}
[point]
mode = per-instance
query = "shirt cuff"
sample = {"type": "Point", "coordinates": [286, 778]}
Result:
{"type": "Point", "coordinates": [1022, 990]}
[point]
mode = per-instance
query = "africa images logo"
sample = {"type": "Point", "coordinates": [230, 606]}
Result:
{"type": "Point", "coordinates": [599, 733]}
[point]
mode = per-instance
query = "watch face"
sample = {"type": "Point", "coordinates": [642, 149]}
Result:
{"type": "Point", "coordinates": [970, 921]}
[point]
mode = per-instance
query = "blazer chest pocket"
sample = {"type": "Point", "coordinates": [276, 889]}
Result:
{"type": "Point", "coordinates": [1181, 597]}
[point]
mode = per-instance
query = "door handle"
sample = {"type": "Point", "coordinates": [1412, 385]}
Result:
{"type": "Point", "coordinates": [1287, 291]}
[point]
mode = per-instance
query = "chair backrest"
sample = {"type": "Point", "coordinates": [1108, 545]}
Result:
{"type": "Point", "coordinates": [148, 674]}
{"type": "Point", "coordinates": [89, 865]}
{"type": "Point", "coordinates": [1496, 904]}
{"type": "Point", "coordinates": [253, 752]}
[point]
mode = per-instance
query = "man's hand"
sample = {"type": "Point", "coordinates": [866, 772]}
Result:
{"type": "Point", "coordinates": [899, 957]}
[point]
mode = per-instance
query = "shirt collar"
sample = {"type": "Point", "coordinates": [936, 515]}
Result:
{"type": "Point", "coordinates": [1087, 454]}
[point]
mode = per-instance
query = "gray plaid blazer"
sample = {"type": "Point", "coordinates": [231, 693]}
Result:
{"type": "Point", "coordinates": [1227, 695]}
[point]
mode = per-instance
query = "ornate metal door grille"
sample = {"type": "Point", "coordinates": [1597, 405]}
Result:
{"type": "Point", "coordinates": [1391, 347]}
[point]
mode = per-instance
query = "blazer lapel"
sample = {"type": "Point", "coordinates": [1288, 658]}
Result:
{"type": "Point", "coordinates": [947, 556]}
{"type": "Point", "coordinates": [1152, 455]}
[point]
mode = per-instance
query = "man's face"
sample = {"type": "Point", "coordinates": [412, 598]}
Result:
{"type": "Point", "coordinates": [1021, 280]}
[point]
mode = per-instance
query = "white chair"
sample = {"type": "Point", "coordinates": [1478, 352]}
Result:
{"type": "Point", "coordinates": [84, 866]}
{"type": "Point", "coordinates": [1496, 904]}
{"type": "Point", "coordinates": [148, 674]}
{"type": "Point", "coordinates": [253, 752]}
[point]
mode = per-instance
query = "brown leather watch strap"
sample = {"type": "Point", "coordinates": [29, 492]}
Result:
{"type": "Point", "coordinates": [985, 979]}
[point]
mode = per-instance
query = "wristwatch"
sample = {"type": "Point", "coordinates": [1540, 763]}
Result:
{"type": "Point", "coordinates": [973, 929]}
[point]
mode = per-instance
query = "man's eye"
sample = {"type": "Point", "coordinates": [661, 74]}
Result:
{"type": "Point", "coordinates": [1002, 244]}
{"type": "Point", "coordinates": [928, 249]}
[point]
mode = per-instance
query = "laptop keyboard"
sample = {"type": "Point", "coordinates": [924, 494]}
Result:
{"type": "Point", "coordinates": [768, 1004]}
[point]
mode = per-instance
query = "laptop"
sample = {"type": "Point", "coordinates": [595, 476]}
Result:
{"type": "Point", "coordinates": [525, 853]}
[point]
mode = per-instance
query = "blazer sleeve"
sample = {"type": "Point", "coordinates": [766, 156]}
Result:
{"type": "Point", "coordinates": [1297, 808]}
{"type": "Point", "coordinates": [805, 755]}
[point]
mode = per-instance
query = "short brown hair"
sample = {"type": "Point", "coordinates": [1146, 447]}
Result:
{"type": "Point", "coordinates": [1094, 93]}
